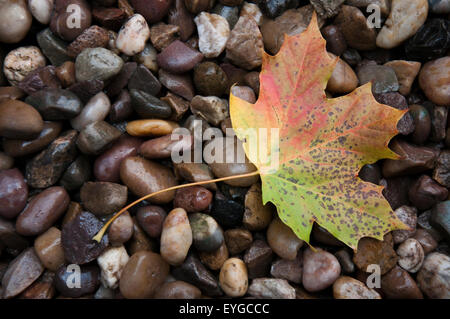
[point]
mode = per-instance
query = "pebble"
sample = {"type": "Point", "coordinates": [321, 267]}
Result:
{"type": "Point", "coordinates": [140, 241]}
{"type": "Point", "coordinates": [343, 79]}
{"type": "Point", "coordinates": [214, 260]}
{"type": "Point", "coordinates": [273, 8]}
{"type": "Point", "coordinates": [121, 109]}
{"type": "Point", "coordinates": [211, 108]}
{"type": "Point", "coordinates": [439, 6]}
{"type": "Point", "coordinates": [103, 198]}
{"type": "Point", "coordinates": [55, 104]}
{"type": "Point", "coordinates": [433, 276]}
{"type": "Point", "coordinates": [92, 37]}
{"type": "Point", "coordinates": [22, 61]}
{"type": "Point", "coordinates": [349, 288]}
{"type": "Point", "coordinates": [245, 45]}
{"type": "Point", "coordinates": [206, 233]}
{"type": "Point", "coordinates": [440, 218]}
{"type": "Point", "coordinates": [252, 80]}
{"type": "Point", "coordinates": [109, 18]}
{"type": "Point", "coordinates": [104, 293]}
{"type": "Point", "coordinates": [231, 14]}
{"type": "Point", "coordinates": [49, 249]}
{"type": "Point", "coordinates": [76, 239]}
{"type": "Point", "coordinates": [233, 278]}
{"type": "Point", "coordinates": [383, 4]}
{"type": "Point", "coordinates": [180, 84]}
{"type": "Point", "coordinates": [73, 210]}
{"type": "Point", "coordinates": [112, 262]}
{"type": "Point", "coordinates": [180, 16]}
{"type": "Point", "coordinates": [193, 199]}
{"type": "Point", "coordinates": [178, 290]}
{"type": "Point", "coordinates": [323, 236]}
{"type": "Point", "coordinates": [22, 271]}
{"type": "Point", "coordinates": [39, 79]}
{"type": "Point", "coordinates": [410, 255]}
{"type": "Point", "coordinates": [148, 106]}
{"type": "Point", "coordinates": [406, 72]}
{"type": "Point", "coordinates": [144, 80]}
{"type": "Point", "coordinates": [320, 270]}
{"type": "Point", "coordinates": [271, 288]}
{"type": "Point", "coordinates": [178, 58]}
{"type": "Point", "coordinates": [213, 31]}
{"type": "Point", "coordinates": [194, 172]}
{"type": "Point", "coordinates": [373, 251]}
{"type": "Point", "coordinates": [327, 8]}
{"type": "Point", "coordinates": [152, 127]}
{"type": "Point", "coordinates": [257, 216]}
{"type": "Point", "coordinates": [345, 260]}
{"type": "Point", "coordinates": [43, 211]}
{"type": "Point", "coordinates": [251, 10]}
{"type": "Point", "coordinates": [238, 240]}
{"type": "Point", "coordinates": [65, 281]}
{"type": "Point", "coordinates": [152, 10]}
{"type": "Point", "coordinates": [441, 173]}
{"type": "Point", "coordinates": [97, 137]}
{"type": "Point", "coordinates": [6, 161]}
{"type": "Point", "coordinates": [439, 116]}
{"type": "Point", "coordinates": [176, 237]}
{"type": "Point", "coordinates": [151, 219]}
{"type": "Point", "coordinates": [335, 39]}
{"type": "Point", "coordinates": [383, 78]}
{"type": "Point", "coordinates": [107, 165]}
{"type": "Point", "coordinates": [415, 159]}
{"type": "Point", "coordinates": [10, 238]}
{"type": "Point", "coordinates": [398, 284]}
{"type": "Point", "coordinates": [406, 124]}
{"type": "Point", "coordinates": [370, 173]}
{"type": "Point", "coordinates": [86, 90]}
{"type": "Point", "coordinates": [96, 109]}
{"type": "Point", "coordinates": [396, 190]}
{"type": "Point", "coordinates": [13, 193]}
{"type": "Point", "coordinates": [422, 123]}
{"type": "Point", "coordinates": [243, 92]}
{"type": "Point", "coordinates": [53, 47]}
{"type": "Point", "coordinates": [15, 21]}
{"type": "Point", "coordinates": [405, 18]}
{"type": "Point", "coordinates": [121, 230]}
{"type": "Point", "coordinates": [193, 272]}
{"type": "Point", "coordinates": [120, 81]}
{"type": "Point", "coordinates": [42, 288]}
{"type": "Point", "coordinates": [425, 193]}
{"type": "Point", "coordinates": [282, 240]}
{"type": "Point", "coordinates": [434, 80]}
{"type": "Point", "coordinates": [291, 270]}
{"type": "Point", "coordinates": [147, 57]}
{"type": "Point", "coordinates": [62, 22]}
{"type": "Point", "coordinates": [197, 6]}
{"type": "Point", "coordinates": [143, 177]}
{"type": "Point", "coordinates": [161, 35]}
{"type": "Point", "coordinates": [78, 172]}
{"type": "Point", "coordinates": [408, 216]}
{"type": "Point", "coordinates": [258, 259]}
{"type": "Point", "coordinates": [210, 79]}
{"type": "Point", "coordinates": [97, 64]}
{"type": "Point", "coordinates": [353, 24]}
{"type": "Point", "coordinates": [425, 239]}
{"type": "Point", "coordinates": [10, 93]}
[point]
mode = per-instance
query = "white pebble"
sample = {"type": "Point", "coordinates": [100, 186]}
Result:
{"type": "Point", "coordinates": [41, 10]}
{"type": "Point", "coordinates": [22, 61]}
{"type": "Point", "coordinates": [213, 32]}
{"type": "Point", "coordinates": [133, 35]}
{"type": "Point", "coordinates": [96, 109]}
{"type": "Point", "coordinates": [111, 262]}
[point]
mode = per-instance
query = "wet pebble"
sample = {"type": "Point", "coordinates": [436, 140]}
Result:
{"type": "Point", "coordinates": [398, 284]}
{"type": "Point", "coordinates": [111, 263]}
{"type": "Point", "coordinates": [151, 219]}
{"type": "Point", "coordinates": [97, 137]}
{"type": "Point", "coordinates": [383, 78]}
{"type": "Point", "coordinates": [161, 35]}
{"type": "Point", "coordinates": [62, 23]}
{"type": "Point", "coordinates": [148, 106]}
{"type": "Point", "coordinates": [41, 78]}
{"type": "Point", "coordinates": [49, 249]}
{"type": "Point", "coordinates": [206, 233]}
{"type": "Point", "coordinates": [434, 80]}
{"type": "Point", "coordinates": [178, 58]}
{"type": "Point", "coordinates": [213, 31]}
{"type": "Point", "coordinates": [92, 37]}
{"type": "Point", "coordinates": [178, 290]}
{"type": "Point", "coordinates": [55, 104]}
{"type": "Point", "coordinates": [67, 286]}
{"type": "Point", "coordinates": [406, 72]}
{"type": "Point", "coordinates": [180, 16]}
{"type": "Point", "coordinates": [214, 260]}
{"type": "Point", "coordinates": [210, 79]}
{"type": "Point", "coordinates": [152, 10]}
{"type": "Point", "coordinates": [349, 288]}
{"type": "Point", "coordinates": [233, 278]}
{"type": "Point", "coordinates": [13, 193]}
{"type": "Point", "coordinates": [121, 229]}
{"type": "Point", "coordinates": [410, 255]}
{"type": "Point", "coordinates": [96, 109]}
{"type": "Point", "coordinates": [19, 120]}
{"type": "Point", "coordinates": [193, 199]}
{"type": "Point", "coordinates": [78, 172]}
{"type": "Point", "coordinates": [408, 216]}
{"type": "Point", "coordinates": [425, 193]}
{"type": "Point", "coordinates": [103, 198]}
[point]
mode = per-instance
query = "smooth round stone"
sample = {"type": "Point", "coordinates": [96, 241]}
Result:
{"type": "Point", "coordinates": [320, 270]}
{"type": "Point", "coordinates": [230, 166]}
{"type": "Point", "coordinates": [343, 79]}
{"type": "Point", "coordinates": [398, 284]}
{"type": "Point", "coordinates": [144, 177]}
{"type": "Point", "coordinates": [10, 93]}
{"type": "Point", "coordinates": [425, 193]}
{"type": "Point", "coordinates": [43, 211]}
{"type": "Point", "coordinates": [121, 229]}
{"type": "Point", "coordinates": [111, 262]}
{"type": "Point", "coordinates": [62, 21]}
{"type": "Point", "coordinates": [256, 215]}
{"type": "Point", "coordinates": [405, 18]}
{"type": "Point", "coordinates": [13, 193]}
{"type": "Point", "coordinates": [193, 199]}
{"type": "Point", "coordinates": [151, 127]}
{"type": "Point", "coordinates": [140, 241]}
{"type": "Point", "coordinates": [65, 283]}
{"type": "Point", "coordinates": [135, 281]}
{"type": "Point", "coordinates": [410, 255]}
{"type": "Point", "coordinates": [133, 35]}
{"type": "Point", "coordinates": [55, 104]}
{"type": "Point", "coordinates": [96, 109]}
{"type": "Point", "coordinates": [103, 198]}
{"type": "Point", "coordinates": [178, 290]}
{"type": "Point", "coordinates": [22, 271]}
{"type": "Point", "coordinates": [434, 79]}
{"type": "Point", "coordinates": [206, 233]}
{"type": "Point", "coordinates": [76, 237]}
{"type": "Point", "coordinates": [349, 288]}
{"type": "Point", "coordinates": [41, 289]}
{"type": "Point", "coordinates": [215, 259]}
{"type": "Point", "coordinates": [97, 137]}
{"type": "Point", "coordinates": [176, 237]}
{"type": "Point", "coordinates": [180, 84]}
{"type": "Point", "coordinates": [282, 240]}
{"type": "Point", "coordinates": [97, 64]}
{"type": "Point", "coordinates": [49, 249]}
{"type": "Point", "coordinates": [166, 146]}
{"type": "Point", "coordinates": [433, 276]}
{"type": "Point", "coordinates": [291, 270]}
{"type": "Point", "coordinates": [78, 172]}
{"type": "Point", "coordinates": [19, 120]}
{"type": "Point", "coordinates": [213, 31]}
{"type": "Point", "coordinates": [422, 123]}
{"type": "Point", "coordinates": [335, 39]}
{"type": "Point", "coordinates": [210, 79]}
{"type": "Point", "coordinates": [233, 277]}
{"type": "Point", "coordinates": [148, 106]}
{"type": "Point", "coordinates": [238, 240]}
{"type": "Point", "coordinates": [178, 58]}
{"type": "Point", "coordinates": [152, 10]}
{"type": "Point", "coordinates": [151, 219]}
{"type": "Point", "coordinates": [15, 20]}
{"type": "Point", "coordinates": [41, 10]}
{"type": "Point", "coordinates": [6, 161]}
{"type": "Point", "coordinates": [383, 78]}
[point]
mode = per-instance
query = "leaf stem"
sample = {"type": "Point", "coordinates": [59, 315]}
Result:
{"type": "Point", "coordinates": [99, 235]}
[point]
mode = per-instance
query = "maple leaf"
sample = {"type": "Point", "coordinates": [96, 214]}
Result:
{"type": "Point", "coordinates": [323, 143]}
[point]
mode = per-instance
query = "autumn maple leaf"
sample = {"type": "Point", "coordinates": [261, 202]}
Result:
{"type": "Point", "coordinates": [323, 143]}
